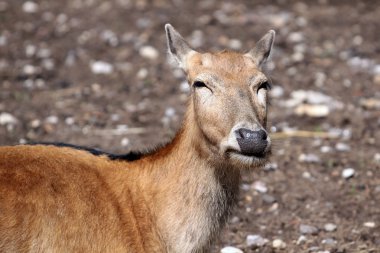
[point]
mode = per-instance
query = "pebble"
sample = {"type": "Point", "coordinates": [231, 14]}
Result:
{"type": "Point", "coordinates": [306, 175]}
{"type": "Point", "coordinates": [307, 229]}
{"type": "Point", "coordinates": [197, 38]}
{"type": "Point", "coordinates": [101, 67]}
{"type": "Point", "coordinates": [7, 119]}
{"type": "Point", "coordinates": [295, 37]}
{"type": "Point", "coordinates": [269, 199]}
{"type": "Point", "coordinates": [29, 69]}
{"type": "Point", "coordinates": [342, 147]}
{"type": "Point", "coordinates": [376, 157]}
{"type": "Point", "coordinates": [184, 87]}
{"type": "Point", "coordinates": [370, 103]}
{"type": "Point", "coordinates": [142, 73]}
{"type": "Point", "coordinates": [30, 7]}
{"type": "Point", "coordinates": [149, 52]}
{"type": "Point", "coordinates": [260, 186]}
{"type": "Point", "coordinates": [301, 240]}
{"type": "Point", "coordinates": [326, 149]}
{"type": "Point", "coordinates": [278, 244]}
{"type": "Point", "coordinates": [124, 142]}
{"type": "Point", "coordinates": [315, 111]}
{"type": "Point", "coordinates": [270, 167]}
{"type": "Point", "coordinates": [256, 240]}
{"type": "Point", "coordinates": [309, 158]}
{"type": "Point", "coordinates": [69, 121]}
{"type": "Point", "coordinates": [329, 241]}
{"type": "Point", "coordinates": [348, 173]}
{"type": "Point", "coordinates": [3, 40]}
{"type": "Point", "coordinates": [329, 227]}
{"type": "Point", "coordinates": [235, 44]}
{"type": "Point", "coordinates": [170, 112]}
{"type": "Point", "coordinates": [369, 224]}
{"type": "Point", "coordinates": [310, 97]}
{"type": "Point", "coordinates": [52, 120]}
{"type": "Point", "coordinates": [35, 123]}
{"type": "Point", "coordinates": [277, 92]}
{"type": "Point", "coordinates": [230, 249]}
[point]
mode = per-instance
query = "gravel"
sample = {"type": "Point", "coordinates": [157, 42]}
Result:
{"type": "Point", "coordinates": [256, 241]}
{"type": "Point", "coordinates": [329, 227]}
{"type": "Point", "coordinates": [308, 230]}
{"type": "Point", "coordinates": [348, 173]}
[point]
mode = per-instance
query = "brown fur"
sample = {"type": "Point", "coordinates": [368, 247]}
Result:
{"type": "Point", "coordinates": [59, 199]}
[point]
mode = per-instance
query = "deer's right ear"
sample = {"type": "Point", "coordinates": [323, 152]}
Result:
{"type": "Point", "coordinates": [178, 48]}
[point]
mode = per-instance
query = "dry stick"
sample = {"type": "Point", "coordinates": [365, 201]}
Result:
{"type": "Point", "coordinates": [303, 134]}
{"type": "Point", "coordinates": [135, 130]}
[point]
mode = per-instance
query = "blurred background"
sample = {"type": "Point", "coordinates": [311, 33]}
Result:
{"type": "Point", "coordinates": [95, 73]}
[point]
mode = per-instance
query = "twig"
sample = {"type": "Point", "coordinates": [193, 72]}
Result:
{"type": "Point", "coordinates": [303, 134]}
{"type": "Point", "coordinates": [122, 131]}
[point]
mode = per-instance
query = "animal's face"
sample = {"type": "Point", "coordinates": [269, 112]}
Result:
{"type": "Point", "coordinates": [229, 100]}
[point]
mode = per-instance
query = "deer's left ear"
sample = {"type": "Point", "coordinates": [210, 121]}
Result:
{"type": "Point", "coordinates": [178, 48]}
{"type": "Point", "coordinates": [261, 51]}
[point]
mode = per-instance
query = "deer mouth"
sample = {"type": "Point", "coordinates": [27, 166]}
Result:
{"type": "Point", "coordinates": [247, 159]}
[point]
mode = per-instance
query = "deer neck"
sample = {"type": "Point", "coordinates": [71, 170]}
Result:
{"type": "Point", "coordinates": [193, 194]}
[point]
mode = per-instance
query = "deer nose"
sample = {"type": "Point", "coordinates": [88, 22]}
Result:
{"type": "Point", "coordinates": [252, 143]}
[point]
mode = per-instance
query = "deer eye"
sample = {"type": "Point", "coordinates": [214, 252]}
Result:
{"type": "Point", "coordinates": [199, 84]}
{"type": "Point", "coordinates": [265, 85]}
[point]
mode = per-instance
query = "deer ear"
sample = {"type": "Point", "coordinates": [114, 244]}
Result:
{"type": "Point", "coordinates": [261, 51]}
{"type": "Point", "coordinates": [178, 48]}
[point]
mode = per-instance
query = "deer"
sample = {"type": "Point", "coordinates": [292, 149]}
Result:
{"type": "Point", "coordinates": [176, 198]}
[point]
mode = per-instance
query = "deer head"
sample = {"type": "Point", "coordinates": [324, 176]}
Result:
{"type": "Point", "coordinates": [229, 99]}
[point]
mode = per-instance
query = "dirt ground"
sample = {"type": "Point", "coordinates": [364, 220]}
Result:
{"type": "Point", "coordinates": [95, 73]}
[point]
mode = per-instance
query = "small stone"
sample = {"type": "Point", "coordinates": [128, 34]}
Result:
{"type": "Point", "coordinates": [260, 186]}
{"type": "Point", "coordinates": [270, 167]}
{"type": "Point", "coordinates": [230, 249]}
{"type": "Point", "coordinates": [52, 120]}
{"type": "Point", "coordinates": [277, 92]}
{"type": "Point", "coordinates": [69, 121]}
{"type": "Point", "coordinates": [235, 220]}
{"type": "Point", "coordinates": [313, 249]}
{"type": "Point", "coordinates": [369, 224]}
{"type": "Point", "coordinates": [235, 44]}
{"type": "Point", "coordinates": [7, 119]}
{"type": "Point", "coordinates": [124, 142]}
{"type": "Point", "coordinates": [184, 86]}
{"type": "Point", "coordinates": [29, 69]}
{"type": "Point", "coordinates": [101, 67]}
{"type": "Point", "coordinates": [30, 7]}
{"type": "Point", "coordinates": [306, 175]}
{"type": "Point", "coordinates": [329, 241]}
{"type": "Point", "coordinates": [256, 241]}
{"type": "Point", "coordinates": [370, 103]}
{"type": "Point", "coordinates": [376, 157]}
{"type": "Point", "coordinates": [326, 149]}
{"type": "Point", "coordinates": [269, 199]}
{"type": "Point", "coordinates": [307, 229]}
{"type": "Point", "coordinates": [278, 244]}
{"type": "Point", "coordinates": [342, 147]}
{"type": "Point", "coordinates": [295, 37]}
{"type": "Point", "coordinates": [330, 227]}
{"type": "Point", "coordinates": [142, 73]}
{"type": "Point", "coordinates": [348, 173]}
{"type": "Point", "coordinates": [309, 158]}
{"type": "Point", "coordinates": [35, 123]}
{"type": "Point", "coordinates": [301, 240]}
{"type": "Point", "coordinates": [149, 52]}
{"type": "Point", "coordinates": [170, 112]}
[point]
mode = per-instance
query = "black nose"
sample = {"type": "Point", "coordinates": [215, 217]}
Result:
{"type": "Point", "coordinates": [251, 142]}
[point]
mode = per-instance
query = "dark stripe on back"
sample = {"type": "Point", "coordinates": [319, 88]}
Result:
{"type": "Point", "coordinates": [132, 156]}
